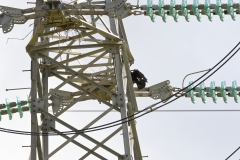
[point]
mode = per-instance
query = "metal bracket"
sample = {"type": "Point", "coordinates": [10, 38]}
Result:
{"type": "Point", "coordinates": [117, 100]}
{"type": "Point", "coordinates": [158, 91]}
{"type": "Point", "coordinates": [60, 99]}
{"type": "Point", "coordinates": [47, 123]}
{"type": "Point", "coordinates": [37, 105]}
{"type": "Point", "coordinates": [6, 23]}
{"type": "Point", "coordinates": [64, 95]}
{"type": "Point", "coordinates": [12, 12]}
{"type": "Point", "coordinates": [118, 8]}
{"type": "Point", "coordinates": [122, 157]}
{"type": "Point", "coordinates": [114, 5]}
{"type": "Point", "coordinates": [9, 17]}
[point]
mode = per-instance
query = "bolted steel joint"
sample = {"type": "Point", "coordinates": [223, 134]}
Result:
{"type": "Point", "coordinates": [37, 105]}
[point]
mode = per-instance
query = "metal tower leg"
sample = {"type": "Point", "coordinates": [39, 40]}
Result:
{"type": "Point", "coordinates": [45, 118]}
{"type": "Point", "coordinates": [122, 104]}
{"type": "Point", "coordinates": [121, 92]}
{"type": "Point", "coordinates": [132, 103]}
{"type": "Point", "coordinates": [34, 80]}
{"type": "Point", "coordinates": [33, 113]}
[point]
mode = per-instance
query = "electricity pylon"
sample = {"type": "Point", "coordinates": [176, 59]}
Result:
{"type": "Point", "coordinates": [63, 39]}
{"type": "Point", "coordinates": [105, 49]}
{"type": "Point", "coordinates": [55, 52]}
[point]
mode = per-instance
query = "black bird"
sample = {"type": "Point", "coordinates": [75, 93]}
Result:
{"type": "Point", "coordinates": [138, 78]}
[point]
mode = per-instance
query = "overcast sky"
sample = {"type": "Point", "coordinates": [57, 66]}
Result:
{"type": "Point", "coordinates": [162, 51]}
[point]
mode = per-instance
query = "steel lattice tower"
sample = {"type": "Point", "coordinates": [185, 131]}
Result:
{"type": "Point", "coordinates": [63, 39]}
{"type": "Point", "coordinates": [107, 51]}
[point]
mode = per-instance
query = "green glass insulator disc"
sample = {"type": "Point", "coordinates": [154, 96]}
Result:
{"type": "Point", "coordinates": [173, 12]}
{"type": "Point", "coordinates": [150, 11]}
{"type": "Point", "coordinates": [223, 91]}
{"type": "Point", "coordinates": [191, 92]}
{"type": "Point", "coordinates": [219, 10]}
{"type": "Point", "coordinates": [207, 10]}
{"type": "Point", "coordinates": [212, 92]}
{"type": "Point", "coordinates": [9, 110]}
{"type": "Point", "coordinates": [234, 91]}
{"type": "Point", "coordinates": [196, 11]}
{"type": "Point", "coordinates": [202, 92]}
{"type": "Point", "coordinates": [161, 10]}
{"type": "Point", "coordinates": [231, 10]}
{"type": "Point", "coordinates": [184, 10]}
{"type": "Point", "coordinates": [19, 107]}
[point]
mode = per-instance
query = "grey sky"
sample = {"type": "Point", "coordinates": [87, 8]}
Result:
{"type": "Point", "coordinates": [162, 51]}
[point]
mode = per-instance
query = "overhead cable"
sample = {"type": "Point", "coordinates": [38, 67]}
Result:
{"type": "Point", "coordinates": [147, 110]}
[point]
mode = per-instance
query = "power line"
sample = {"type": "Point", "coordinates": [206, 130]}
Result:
{"type": "Point", "coordinates": [232, 153]}
{"type": "Point", "coordinates": [98, 127]}
{"type": "Point", "coordinates": [175, 93]}
{"type": "Point", "coordinates": [127, 119]}
{"type": "Point", "coordinates": [206, 110]}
